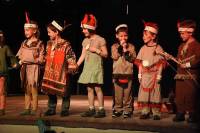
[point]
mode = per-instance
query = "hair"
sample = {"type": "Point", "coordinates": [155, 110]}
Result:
{"type": "Point", "coordinates": [188, 24]}
{"type": "Point", "coordinates": [122, 29]}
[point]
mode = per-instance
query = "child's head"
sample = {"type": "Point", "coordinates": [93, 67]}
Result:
{"type": "Point", "coordinates": [150, 32]}
{"type": "Point", "coordinates": [31, 29]}
{"type": "Point", "coordinates": [89, 25]}
{"type": "Point", "coordinates": [122, 33]}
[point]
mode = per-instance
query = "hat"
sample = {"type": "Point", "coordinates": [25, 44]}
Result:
{"type": "Point", "coordinates": [120, 26]}
{"type": "Point", "coordinates": [184, 27]}
{"type": "Point", "coordinates": [57, 26]}
{"type": "Point", "coordinates": [151, 27]}
{"type": "Point", "coordinates": [89, 22]}
{"type": "Point", "coordinates": [28, 23]}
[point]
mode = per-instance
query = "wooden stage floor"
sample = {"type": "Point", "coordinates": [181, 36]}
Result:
{"type": "Point", "coordinates": [15, 105]}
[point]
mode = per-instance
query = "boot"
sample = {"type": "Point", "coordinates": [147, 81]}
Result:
{"type": "Point", "coordinates": [179, 117]}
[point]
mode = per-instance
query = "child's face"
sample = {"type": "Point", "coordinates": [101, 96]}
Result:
{"type": "Point", "coordinates": [122, 37]}
{"type": "Point", "coordinates": [185, 35]}
{"type": "Point", "coordinates": [29, 32]}
{"type": "Point", "coordinates": [148, 37]}
{"type": "Point", "coordinates": [52, 35]}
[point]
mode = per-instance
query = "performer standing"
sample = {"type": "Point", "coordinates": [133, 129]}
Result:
{"type": "Point", "coordinates": [60, 58]}
{"type": "Point", "coordinates": [31, 55]}
{"type": "Point", "coordinates": [187, 77]}
{"type": "Point", "coordinates": [150, 73]}
{"type": "Point", "coordinates": [93, 51]}
{"type": "Point", "coordinates": [123, 54]}
{"type": "Point", "coordinates": [5, 53]}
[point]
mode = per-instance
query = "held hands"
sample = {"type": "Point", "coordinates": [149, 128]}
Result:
{"type": "Point", "coordinates": [158, 78]}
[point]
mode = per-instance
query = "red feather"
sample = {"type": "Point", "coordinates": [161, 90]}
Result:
{"type": "Point", "coordinates": [27, 17]}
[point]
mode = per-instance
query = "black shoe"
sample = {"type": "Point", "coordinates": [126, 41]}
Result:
{"type": "Point", "coordinates": [88, 113]}
{"type": "Point", "coordinates": [144, 116]}
{"type": "Point", "coordinates": [64, 113]}
{"type": "Point", "coordinates": [127, 114]}
{"type": "Point", "coordinates": [116, 114]}
{"type": "Point", "coordinates": [100, 113]}
{"type": "Point", "coordinates": [156, 117]}
{"type": "Point", "coordinates": [179, 117]}
{"type": "Point", "coordinates": [192, 118]}
{"type": "Point", "coordinates": [50, 112]}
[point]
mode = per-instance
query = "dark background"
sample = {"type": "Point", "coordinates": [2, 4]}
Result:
{"type": "Point", "coordinates": [109, 14]}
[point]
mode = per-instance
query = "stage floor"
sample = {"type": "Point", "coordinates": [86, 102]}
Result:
{"type": "Point", "coordinates": [79, 103]}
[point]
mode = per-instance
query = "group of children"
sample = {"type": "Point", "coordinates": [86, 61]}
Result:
{"type": "Point", "coordinates": [60, 61]}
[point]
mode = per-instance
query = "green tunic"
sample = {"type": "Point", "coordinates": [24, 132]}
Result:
{"type": "Point", "coordinates": [6, 53]}
{"type": "Point", "coordinates": [93, 64]}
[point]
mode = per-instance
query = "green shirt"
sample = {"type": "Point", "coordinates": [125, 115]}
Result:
{"type": "Point", "coordinates": [5, 54]}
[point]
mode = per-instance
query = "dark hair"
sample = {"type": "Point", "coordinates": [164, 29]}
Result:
{"type": "Point", "coordinates": [122, 29]}
{"type": "Point", "coordinates": [188, 24]}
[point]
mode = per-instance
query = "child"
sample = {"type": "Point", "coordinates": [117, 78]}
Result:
{"type": "Point", "coordinates": [123, 54]}
{"type": "Point", "coordinates": [93, 51]}
{"type": "Point", "coordinates": [150, 73]}
{"type": "Point", "coordinates": [5, 53]}
{"type": "Point", "coordinates": [31, 55]}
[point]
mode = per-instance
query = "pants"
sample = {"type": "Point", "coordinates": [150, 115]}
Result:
{"type": "Point", "coordinates": [2, 92]}
{"type": "Point", "coordinates": [52, 102]}
{"type": "Point", "coordinates": [123, 100]}
{"type": "Point", "coordinates": [186, 99]}
{"type": "Point", "coordinates": [31, 98]}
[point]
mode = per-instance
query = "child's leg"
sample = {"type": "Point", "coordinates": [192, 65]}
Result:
{"type": "Point", "coordinates": [128, 98]}
{"type": "Point", "coordinates": [34, 98]}
{"type": "Point", "coordinates": [2, 93]}
{"type": "Point", "coordinates": [118, 107]}
{"type": "Point", "coordinates": [27, 98]}
{"type": "Point", "coordinates": [90, 97]}
{"type": "Point", "coordinates": [100, 96]}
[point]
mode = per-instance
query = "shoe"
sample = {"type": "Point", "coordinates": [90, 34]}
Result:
{"type": "Point", "coordinates": [127, 114]}
{"type": "Point", "coordinates": [144, 116]}
{"type": "Point", "coordinates": [116, 114]}
{"type": "Point", "coordinates": [179, 117]}
{"type": "Point", "coordinates": [50, 112]}
{"type": "Point", "coordinates": [156, 117]}
{"type": "Point", "coordinates": [25, 112]}
{"type": "Point", "coordinates": [2, 112]}
{"type": "Point", "coordinates": [192, 118]}
{"type": "Point", "coordinates": [33, 112]}
{"type": "Point", "coordinates": [64, 113]}
{"type": "Point", "coordinates": [88, 113]}
{"type": "Point", "coordinates": [100, 113]}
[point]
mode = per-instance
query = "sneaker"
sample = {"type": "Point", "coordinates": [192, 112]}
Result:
{"type": "Point", "coordinates": [64, 113]}
{"type": "Point", "coordinates": [127, 114]}
{"type": "Point", "coordinates": [88, 113]}
{"type": "Point", "coordinates": [144, 116]}
{"type": "Point", "coordinates": [33, 112]}
{"type": "Point", "coordinates": [50, 112]}
{"type": "Point", "coordinates": [156, 117]}
{"type": "Point", "coordinates": [116, 114]}
{"type": "Point", "coordinates": [100, 113]}
{"type": "Point", "coordinates": [25, 112]}
{"type": "Point", "coordinates": [2, 112]}
{"type": "Point", "coordinates": [179, 117]}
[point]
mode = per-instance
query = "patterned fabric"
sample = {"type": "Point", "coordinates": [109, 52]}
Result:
{"type": "Point", "coordinates": [58, 59]}
{"type": "Point", "coordinates": [93, 65]}
{"type": "Point", "coordinates": [32, 57]}
{"type": "Point", "coordinates": [187, 79]}
{"type": "Point", "coordinates": [149, 91]}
